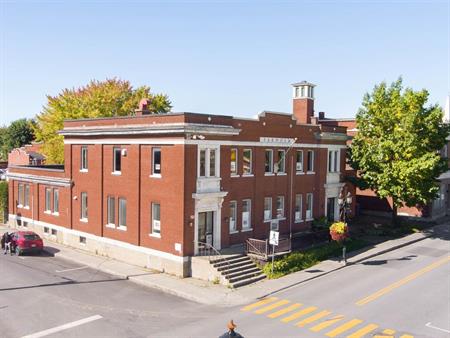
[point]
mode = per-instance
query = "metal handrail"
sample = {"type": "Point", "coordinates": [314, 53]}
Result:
{"type": "Point", "coordinates": [216, 253]}
{"type": "Point", "coordinates": [255, 248]}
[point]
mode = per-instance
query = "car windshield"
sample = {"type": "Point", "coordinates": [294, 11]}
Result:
{"type": "Point", "coordinates": [32, 237]}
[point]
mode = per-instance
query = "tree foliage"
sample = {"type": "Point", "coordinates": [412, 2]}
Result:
{"type": "Point", "coordinates": [3, 201]}
{"type": "Point", "coordinates": [17, 134]}
{"type": "Point", "coordinates": [396, 149]}
{"type": "Point", "coordinates": [112, 97]}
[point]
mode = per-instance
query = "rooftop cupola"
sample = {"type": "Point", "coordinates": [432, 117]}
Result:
{"type": "Point", "coordinates": [303, 101]}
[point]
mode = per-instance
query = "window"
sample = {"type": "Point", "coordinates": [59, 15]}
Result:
{"type": "Point", "coordinates": [310, 167]}
{"type": "Point", "coordinates": [246, 214]}
{"type": "Point", "coordinates": [296, 91]}
{"type": "Point", "coordinates": [212, 162]}
{"type": "Point", "coordinates": [55, 201]}
{"type": "Point", "coordinates": [267, 208]}
{"type": "Point", "coordinates": [309, 206]}
{"type": "Point", "coordinates": [156, 219]}
{"type": "Point", "coordinates": [281, 161]}
{"type": "Point", "coordinates": [111, 210]}
{"type": "Point", "coordinates": [46, 230]}
{"type": "Point", "coordinates": [122, 212]}
{"type": "Point", "coordinates": [20, 195]}
{"type": "Point", "coordinates": [156, 161]}
{"type": "Point", "coordinates": [207, 163]}
{"type": "Point", "coordinates": [84, 159]}
{"type": "Point", "coordinates": [302, 91]}
{"type": "Point", "coordinates": [247, 162]}
{"type": "Point", "coordinates": [54, 232]}
{"type": "Point", "coordinates": [233, 214]}
{"type": "Point", "coordinates": [299, 161]}
{"type": "Point", "coordinates": [280, 206]}
{"type": "Point", "coordinates": [117, 165]}
{"type": "Point", "coordinates": [298, 208]}
{"type": "Point", "coordinates": [268, 161]}
{"type": "Point", "coordinates": [26, 199]}
{"type": "Point", "coordinates": [333, 160]}
{"type": "Point", "coordinates": [82, 240]}
{"type": "Point", "coordinates": [48, 201]}
{"type": "Point", "coordinates": [84, 206]}
{"type": "Point", "coordinates": [234, 163]}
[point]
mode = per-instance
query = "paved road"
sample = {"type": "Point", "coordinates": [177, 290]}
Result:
{"type": "Point", "coordinates": [41, 293]}
{"type": "Point", "coordinates": [404, 293]}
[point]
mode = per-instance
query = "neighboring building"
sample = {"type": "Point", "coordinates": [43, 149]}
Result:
{"type": "Point", "coordinates": [152, 189]}
{"type": "Point", "coordinates": [27, 155]}
{"type": "Point", "coordinates": [368, 202]}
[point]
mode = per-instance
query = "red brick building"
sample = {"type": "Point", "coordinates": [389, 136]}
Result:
{"type": "Point", "coordinates": [29, 154]}
{"type": "Point", "coordinates": [151, 188]}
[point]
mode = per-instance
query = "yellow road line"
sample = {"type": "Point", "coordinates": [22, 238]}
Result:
{"type": "Point", "coordinates": [299, 314]}
{"type": "Point", "coordinates": [401, 282]}
{"type": "Point", "coordinates": [343, 327]}
{"type": "Point", "coordinates": [272, 306]}
{"type": "Point", "coordinates": [261, 302]}
{"type": "Point", "coordinates": [362, 332]}
{"type": "Point", "coordinates": [285, 310]}
{"type": "Point", "coordinates": [406, 336]}
{"type": "Point", "coordinates": [311, 319]}
{"type": "Point", "coordinates": [326, 323]}
{"type": "Point", "coordinates": [388, 332]}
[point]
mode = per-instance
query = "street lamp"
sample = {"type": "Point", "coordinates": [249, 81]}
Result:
{"type": "Point", "coordinates": [344, 201]}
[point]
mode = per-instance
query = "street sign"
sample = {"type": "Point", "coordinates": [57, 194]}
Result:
{"type": "Point", "coordinates": [273, 239]}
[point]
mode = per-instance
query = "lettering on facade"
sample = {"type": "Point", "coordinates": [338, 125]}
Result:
{"type": "Point", "coordinates": [276, 140]}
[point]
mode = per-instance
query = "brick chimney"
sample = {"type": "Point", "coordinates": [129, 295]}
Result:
{"type": "Point", "coordinates": [143, 109]}
{"type": "Point", "coordinates": [303, 102]}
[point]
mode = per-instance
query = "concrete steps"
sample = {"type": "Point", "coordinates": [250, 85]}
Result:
{"type": "Point", "coordinates": [238, 270]}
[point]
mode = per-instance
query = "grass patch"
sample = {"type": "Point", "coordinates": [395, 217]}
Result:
{"type": "Point", "coordinates": [297, 261]}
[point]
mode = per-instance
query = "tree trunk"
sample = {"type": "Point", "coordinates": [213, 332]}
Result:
{"type": "Point", "coordinates": [394, 213]}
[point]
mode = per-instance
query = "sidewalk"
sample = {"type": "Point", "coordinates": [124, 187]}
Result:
{"type": "Point", "coordinates": [219, 295]}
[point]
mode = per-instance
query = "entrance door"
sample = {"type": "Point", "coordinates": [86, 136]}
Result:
{"type": "Point", "coordinates": [206, 227]}
{"type": "Point", "coordinates": [330, 208]}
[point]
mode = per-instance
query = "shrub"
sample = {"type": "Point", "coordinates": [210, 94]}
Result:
{"type": "Point", "coordinates": [3, 201]}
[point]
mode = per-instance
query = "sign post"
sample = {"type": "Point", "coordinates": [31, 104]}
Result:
{"type": "Point", "coordinates": [273, 239]}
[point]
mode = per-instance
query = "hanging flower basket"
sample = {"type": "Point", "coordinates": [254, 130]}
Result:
{"type": "Point", "coordinates": [339, 231]}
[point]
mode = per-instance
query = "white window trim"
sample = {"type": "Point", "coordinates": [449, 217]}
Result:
{"type": "Point", "coordinates": [312, 207]}
{"type": "Point", "coordinates": [83, 170]}
{"type": "Point", "coordinates": [235, 218]}
{"type": "Point", "coordinates": [313, 157]}
{"type": "Point", "coordinates": [84, 220]}
{"type": "Point", "coordinates": [251, 162]}
{"type": "Point", "coordinates": [110, 225]}
{"type": "Point", "coordinates": [283, 216]}
{"type": "Point", "coordinates": [236, 172]}
{"type": "Point", "coordinates": [156, 235]}
{"type": "Point", "coordinates": [302, 162]}
{"type": "Point", "coordinates": [117, 172]}
{"type": "Point", "coordinates": [246, 230]}
{"type": "Point", "coordinates": [268, 173]}
{"type": "Point", "coordinates": [298, 220]}
{"type": "Point", "coordinates": [208, 148]}
{"type": "Point", "coordinates": [281, 173]}
{"type": "Point", "coordinates": [152, 233]}
{"type": "Point", "coordinates": [264, 215]}
{"type": "Point", "coordinates": [153, 174]}
{"type": "Point", "coordinates": [122, 228]}
{"type": "Point", "coordinates": [249, 214]}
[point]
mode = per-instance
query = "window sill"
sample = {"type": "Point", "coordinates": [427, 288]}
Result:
{"type": "Point", "coordinates": [310, 172]}
{"type": "Point", "coordinates": [84, 170]}
{"type": "Point", "coordinates": [155, 235]}
{"type": "Point", "coordinates": [267, 220]}
{"type": "Point", "coordinates": [55, 214]}
{"type": "Point", "coordinates": [26, 207]}
{"type": "Point", "coordinates": [281, 218]}
{"type": "Point", "coordinates": [48, 212]}
{"type": "Point", "coordinates": [234, 232]}
{"type": "Point", "coordinates": [122, 228]}
{"type": "Point", "coordinates": [298, 221]}
{"type": "Point", "coordinates": [269, 174]}
{"type": "Point", "coordinates": [300, 173]}
{"type": "Point", "coordinates": [309, 219]}
{"type": "Point", "coordinates": [155, 176]}
{"type": "Point", "coordinates": [248, 175]}
{"type": "Point", "coordinates": [235, 175]}
{"type": "Point", "coordinates": [84, 220]}
{"type": "Point", "coordinates": [246, 230]}
{"type": "Point", "coordinates": [19, 205]}
{"type": "Point", "coordinates": [282, 174]}
{"type": "Point", "coordinates": [116, 173]}
{"type": "Point", "coordinates": [109, 225]}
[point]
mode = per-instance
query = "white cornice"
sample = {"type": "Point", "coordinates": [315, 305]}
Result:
{"type": "Point", "coordinates": [56, 181]}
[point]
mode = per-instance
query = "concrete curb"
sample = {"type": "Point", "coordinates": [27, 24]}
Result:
{"type": "Point", "coordinates": [392, 248]}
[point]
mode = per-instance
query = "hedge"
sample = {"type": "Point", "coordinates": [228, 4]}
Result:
{"type": "Point", "coordinates": [3, 201]}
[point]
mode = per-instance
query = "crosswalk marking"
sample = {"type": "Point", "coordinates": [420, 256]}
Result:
{"type": "Point", "coordinates": [326, 323]}
{"type": "Point", "coordinates": [272, 306]}
{"type": "Point", "coordinates": [343, 327]}
{"type": "Point", "coordinates": [299, 314]}
{"type": "Point", "coordinates": [261, 302]}
{"type": "Point", "coordinates": [362, 332]}
{"type": "Point", "coordinates": [406, 336]}
{"type": "Point", "coordinates": [285, 310]}
{"type": "Point", "coordinates": [389, 331]}
{"type": "Point", "coordinates": [313, 318]}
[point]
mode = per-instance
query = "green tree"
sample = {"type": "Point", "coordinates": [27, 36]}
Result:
{"type": "Point", "coordinates": [112, 97]}
{"type": "Point", "coordinates": [17, 134]}
{"type": "Point", "coordinates": [3, 201]}
{"type": "Point", "coordinates": [396, 149]}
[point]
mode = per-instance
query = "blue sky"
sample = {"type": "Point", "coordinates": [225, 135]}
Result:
{"type": "Point", "coordinates": [223, 57]}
